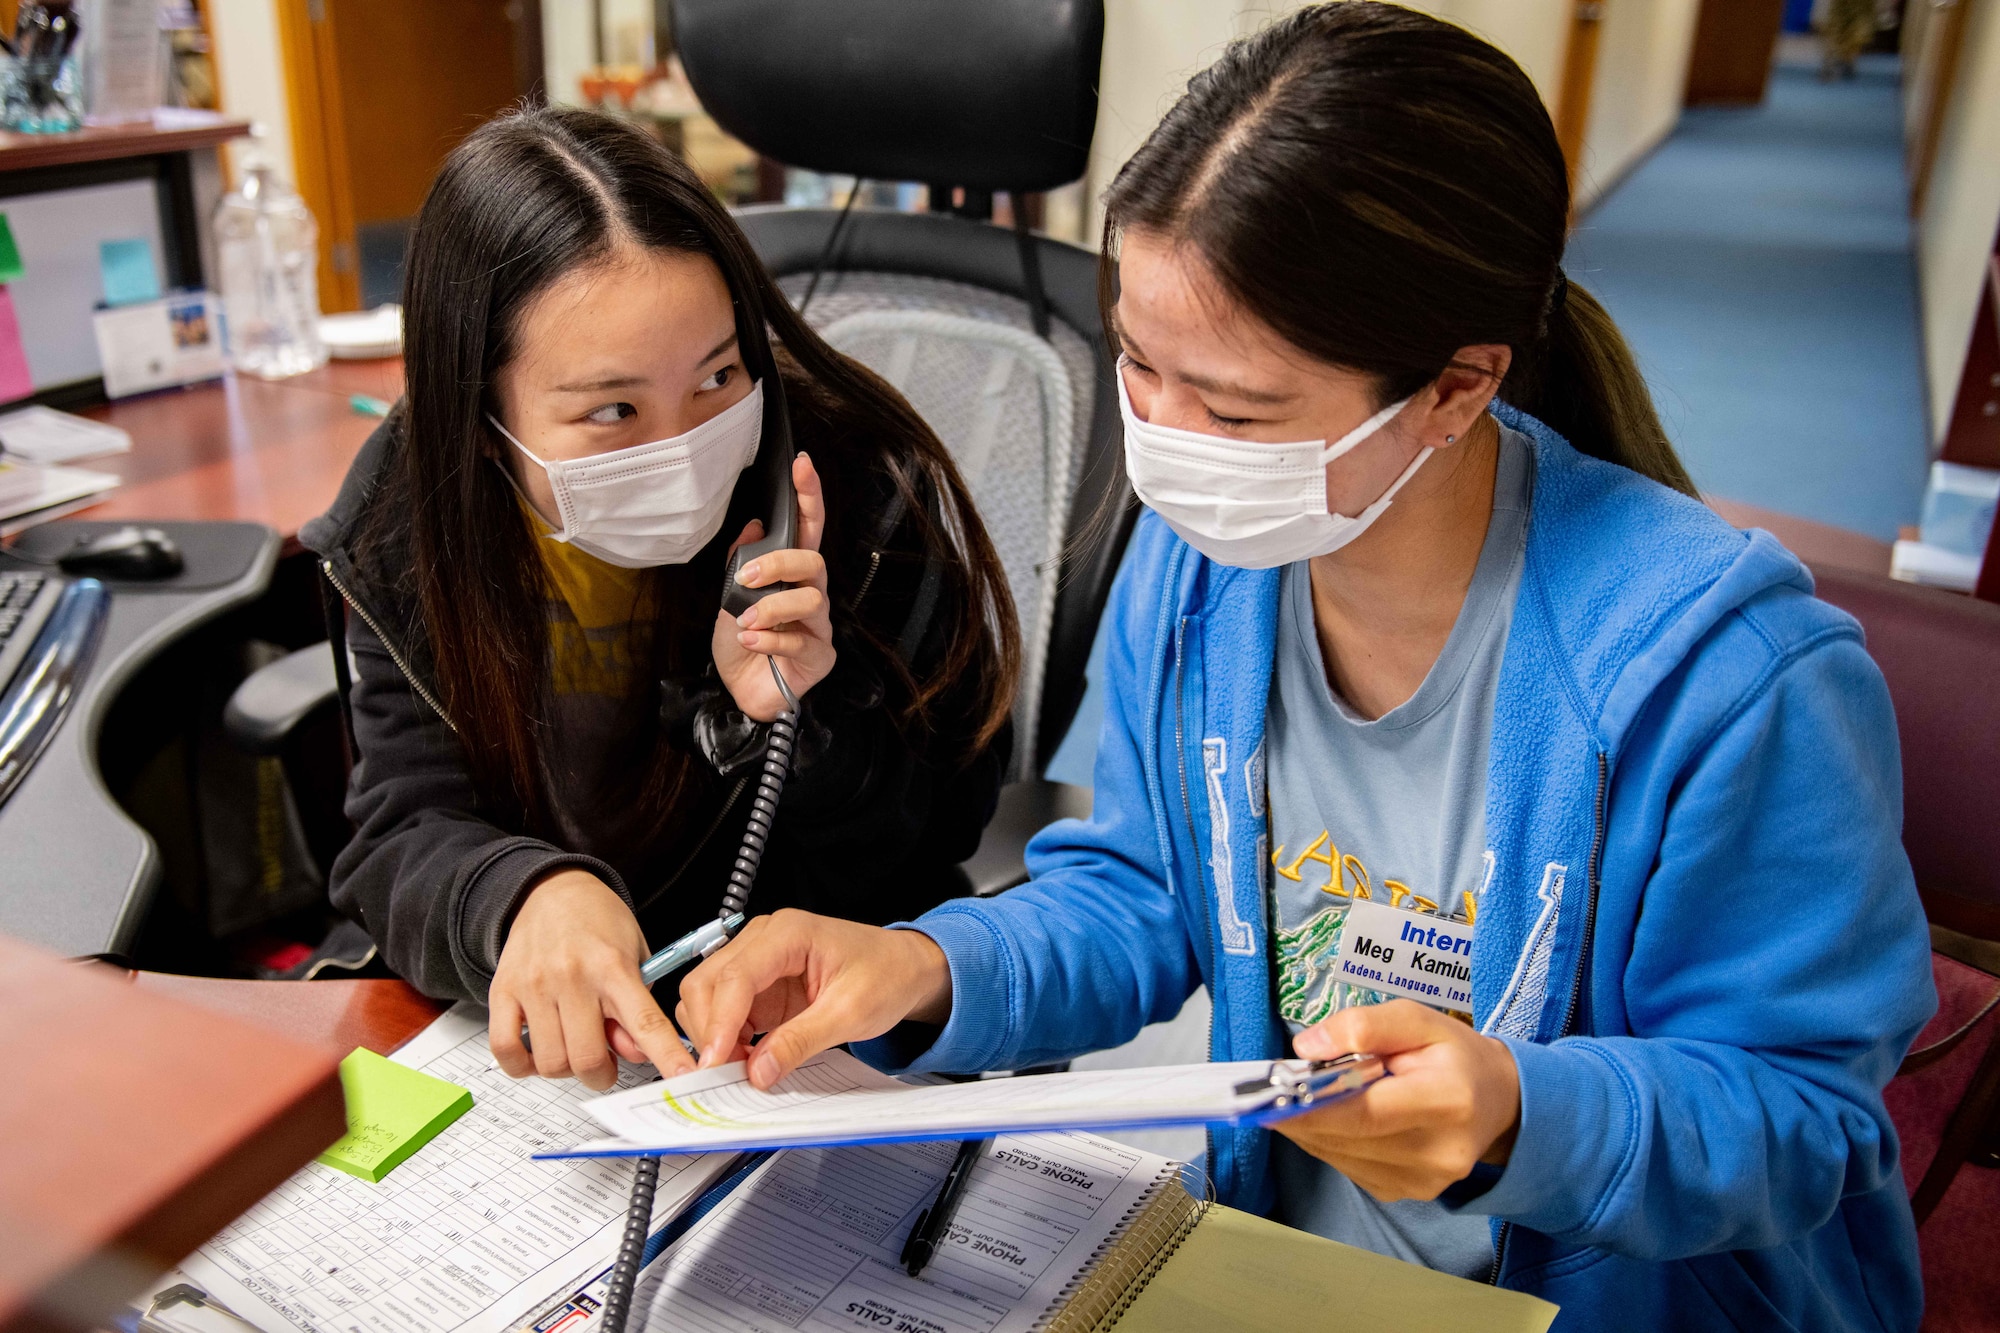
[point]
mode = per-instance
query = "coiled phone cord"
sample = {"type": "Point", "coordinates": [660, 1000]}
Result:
{"type": "Point", "coordinates": [763, 810]}
{"type": "Point", "coordinates": [764, 807]}
{"type": "Point", "coordinates": [632, 1248]}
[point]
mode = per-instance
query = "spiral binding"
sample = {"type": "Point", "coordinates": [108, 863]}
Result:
{"type": "Point", "coordinates": [1118, 1270]}
{"type": "Point", "coordinates": [632, 1247]}
{"type": "Point", "coordinates": [764, 806]}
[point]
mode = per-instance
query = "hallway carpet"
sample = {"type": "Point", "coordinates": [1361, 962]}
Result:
{"type": "Point", "coordinates": [1759, 262]}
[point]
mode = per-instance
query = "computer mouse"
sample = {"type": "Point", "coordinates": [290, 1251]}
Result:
{"type": "Point", "coordinates": [130, 553]}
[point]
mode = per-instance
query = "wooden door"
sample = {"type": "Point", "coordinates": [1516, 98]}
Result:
{"type": "Point", "coordinates": [1734, 41]}
{"type": "Point", "coordinates": [379, 91]}
{"type": "Point", "coordinates": [1579, 73]}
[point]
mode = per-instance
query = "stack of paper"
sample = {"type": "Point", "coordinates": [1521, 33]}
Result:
{"type": "Point", "coordinates": [31, 494]}
{"type": "Point", "coordinates": [44, 435]}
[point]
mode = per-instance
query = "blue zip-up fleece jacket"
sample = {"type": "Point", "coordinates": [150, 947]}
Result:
{"type": "Point", "coordinates": [1699, 934]}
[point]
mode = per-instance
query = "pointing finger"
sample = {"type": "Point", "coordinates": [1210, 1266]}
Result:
{"type": "Point", "coordinates": [633, 1006]}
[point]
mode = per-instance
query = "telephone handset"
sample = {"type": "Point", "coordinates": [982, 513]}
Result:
{"type": "Point", "coordinates": [771, 472]}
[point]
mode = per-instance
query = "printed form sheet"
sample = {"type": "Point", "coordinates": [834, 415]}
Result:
{"type": "Point", "coordinates": [834, 1098]}
{"type": "Point", "coordinates": [811, 1242]}
{"type": "Point", "coordinates": [469, 1234]}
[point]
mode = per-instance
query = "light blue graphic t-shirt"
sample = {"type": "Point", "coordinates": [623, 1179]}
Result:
{"type": "Point", "coordinates": [1392, 810]}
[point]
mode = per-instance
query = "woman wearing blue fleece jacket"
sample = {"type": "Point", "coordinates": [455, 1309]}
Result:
{"type": "Point", "coordinates": [1482, 661]}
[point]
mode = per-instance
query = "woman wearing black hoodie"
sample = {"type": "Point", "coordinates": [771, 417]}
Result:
{"type": "Point", "coordinates": [559, 729]}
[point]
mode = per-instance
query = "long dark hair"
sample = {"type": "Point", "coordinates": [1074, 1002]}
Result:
{"type": "Point", "coordinates": [523, 200]}
{"type": "Point", "coordinates": [1383, 188]}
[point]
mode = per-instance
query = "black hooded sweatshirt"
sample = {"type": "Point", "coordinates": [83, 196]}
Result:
{"type": "Point", "coordinates": [872, 826]}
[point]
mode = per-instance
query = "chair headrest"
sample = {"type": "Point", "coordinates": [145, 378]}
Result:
{"type": "Point", "coordinates": [985, 94]}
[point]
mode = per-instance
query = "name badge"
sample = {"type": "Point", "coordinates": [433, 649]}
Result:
{"type": "Point", "coordinates": [1409, 954]}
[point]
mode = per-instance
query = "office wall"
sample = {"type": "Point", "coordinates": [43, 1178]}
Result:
{"type": "Point", "coordinates": [1642, 61]}
{"type": "Point", "coordinates": [250, 68]}
{"type": "Point", "coordinates": [568, 48]}
{"type": "Point", "coordinates": [1961, 211]}
{"type": "Point", "coordinates": [1534, 32]}
{"type": "Point", "coordinates": [1152, 48]}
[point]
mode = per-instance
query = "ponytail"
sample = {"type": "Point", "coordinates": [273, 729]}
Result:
{"type": "Point", "coordinates": [1382, 188]}
{"type": "Point", "coordinates": [1583, 383]}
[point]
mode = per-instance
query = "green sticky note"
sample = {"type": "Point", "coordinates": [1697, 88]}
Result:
{"type": "Point", "coordinates": [11, 267]}
{"type": "Point", "coordinates": [392, 1110]}
{"type": "Point", "coordinates": [129, 275]}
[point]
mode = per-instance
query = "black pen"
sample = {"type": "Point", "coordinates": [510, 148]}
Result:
{"type": "Point", "coordinates": [931, 1223]}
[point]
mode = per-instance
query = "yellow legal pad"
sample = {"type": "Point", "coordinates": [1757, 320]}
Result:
{"type": "Point", "coordinates": [1234, 1273]}
{"type": "Point", "coordinates": [392, 1110]}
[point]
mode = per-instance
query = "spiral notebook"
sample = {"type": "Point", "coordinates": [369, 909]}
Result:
{"type": "Point", "coordinates": [1056, 1233]}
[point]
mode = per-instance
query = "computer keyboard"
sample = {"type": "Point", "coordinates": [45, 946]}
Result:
{"type": "Point", "coordinates": [49, 628]}
{"type": "Point", "coordinates": [26, 598]}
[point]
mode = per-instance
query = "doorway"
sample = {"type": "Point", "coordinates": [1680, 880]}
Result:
{"type": "Point", "coordinates": [379, 92]}
{"type": "Point", "coordinates": [1579, 72]}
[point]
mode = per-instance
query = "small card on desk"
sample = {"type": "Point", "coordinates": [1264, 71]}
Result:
{"type": "Point", "coordinates": [392, 1110]}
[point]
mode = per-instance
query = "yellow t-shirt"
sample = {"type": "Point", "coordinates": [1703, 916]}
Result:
{"type": "Point", "coordinates": [600, 618]}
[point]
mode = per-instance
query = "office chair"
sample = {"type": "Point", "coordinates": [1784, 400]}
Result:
{"type": "Point", "coordinates": [993, 335]}
{"type": "Point", "coordinates": [1940, 654]}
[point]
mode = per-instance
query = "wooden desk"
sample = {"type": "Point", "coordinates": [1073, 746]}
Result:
{"type": "Point", "coordinates": [132, 1127]}
{"type": "Point", "coordinates": [271, 452]}
{"type": "Point", "coordinates": [335, 1015]}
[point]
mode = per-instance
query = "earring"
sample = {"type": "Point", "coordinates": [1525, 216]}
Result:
{"type": "Point", "coordinates": [1451, 439]}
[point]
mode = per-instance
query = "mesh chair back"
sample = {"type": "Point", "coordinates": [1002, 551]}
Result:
{"type": "Point", "coordinates": [1006, 405]}
{"type": "Point", "coordinates": [933, 264]}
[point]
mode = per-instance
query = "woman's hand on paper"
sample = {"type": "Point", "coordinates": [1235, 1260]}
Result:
{"type": "Point", "coordinates": [1455, 1101]}
{"type": "Point", "coordinates": [570, 971]}
{"type": "Point", "coordinates": [808, 983]}
{"type": "Point", "coordinates": [794, 626]}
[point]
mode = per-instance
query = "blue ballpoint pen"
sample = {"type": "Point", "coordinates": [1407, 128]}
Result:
{"type": "Point", "coordinates": [697, 943]}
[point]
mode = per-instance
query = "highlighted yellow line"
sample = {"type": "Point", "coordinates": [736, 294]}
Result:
{"type": "Point", "coordinates": [695, 1112]}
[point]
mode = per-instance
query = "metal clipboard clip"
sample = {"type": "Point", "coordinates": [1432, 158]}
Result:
{"type": "Point", "coordinates": [1297, 1084]}
{"type": "Point", "coordinates": [186, 1308]}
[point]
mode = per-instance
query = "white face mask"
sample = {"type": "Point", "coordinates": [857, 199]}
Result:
{"type": "Point", "coordinates": [1245, 503]}
{"type": "Point", "coordinates": [658, 503]}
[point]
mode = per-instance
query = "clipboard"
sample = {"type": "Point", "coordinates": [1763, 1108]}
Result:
{"type": "Point", "coordinates": [834, 1100]}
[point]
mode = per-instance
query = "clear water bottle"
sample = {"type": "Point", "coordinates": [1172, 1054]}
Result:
{"type": "Point", "coordinates": [267, 248]}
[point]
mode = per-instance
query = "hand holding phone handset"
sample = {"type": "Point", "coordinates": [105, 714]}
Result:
{"type": "Point", "coordinates": [774, 601]}
{"type": "Point", "coordinates": [772, 473]}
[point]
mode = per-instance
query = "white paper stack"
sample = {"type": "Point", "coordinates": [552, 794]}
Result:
{"type": "Point", "coordinates": [31, 493]}
{"type": "Point", "coordinates": [44, 435]}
